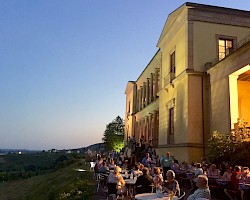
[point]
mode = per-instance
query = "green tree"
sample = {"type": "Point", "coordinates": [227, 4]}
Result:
{"type": "Point", "coordinates": [114, 135]}
{"type": "Point", "coordinates": [232, 148]}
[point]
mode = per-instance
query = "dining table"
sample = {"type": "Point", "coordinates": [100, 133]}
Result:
{"type": "Point", "coordinates": [130, 184]}
{"type": "Point", "coordinates": [222, 182]}
{"type": "Point", "coordinates": [212, 180]}
{"type": "Point", "coordinates": [244, 186]}
{"type": "Point", "coordinates": [150, 196]}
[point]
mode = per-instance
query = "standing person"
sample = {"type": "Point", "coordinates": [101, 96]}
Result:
{"type": "Point", "coordinates": [203, 189]}
{"type": "Point", "coordinates": [133, 159]}
{"type": "Point", "coordinates": [98, 163]}
{"type": "Point", "coordinates": [166, 163]}
{"type": "Point", "coordinates": [133, 143]}
{"type": "Point", "coordinates": [146, 161]}
{"type": "Point", "coordinates": [153, 163]}
{"type": "Point", "coordinates": [142, 141]}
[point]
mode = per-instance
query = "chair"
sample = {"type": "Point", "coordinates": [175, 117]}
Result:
{"type": "Point", "coordinates": [182, 196]}
{"type": "Point", "coordinates": [138, 189]}
{"type": "Point", "coordinates": [101, 179]}
{"type": "Point", "coordinates": [112, 191]}
{"type": "Point", "coordinates": [92, 166]}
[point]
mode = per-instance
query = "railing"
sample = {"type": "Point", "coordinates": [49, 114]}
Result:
{"type": "Point", "coordinates": [168, 79]}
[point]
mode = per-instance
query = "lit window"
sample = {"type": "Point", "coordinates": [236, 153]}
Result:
{"type": "Point", "coordinates": [225, 46]}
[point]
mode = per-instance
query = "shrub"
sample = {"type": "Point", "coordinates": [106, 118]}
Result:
{"type": "Point", "coordinates": [232, 148]}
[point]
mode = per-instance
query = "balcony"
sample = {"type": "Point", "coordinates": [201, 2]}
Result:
{"type": "Point", "coordinates": [168, 79]}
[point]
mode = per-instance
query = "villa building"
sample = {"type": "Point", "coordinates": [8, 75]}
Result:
{"type": "Point", "coordinates": [197, 82]}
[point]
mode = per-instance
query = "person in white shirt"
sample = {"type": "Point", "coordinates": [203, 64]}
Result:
{"type": "Point", "coordinates": [203, 189]}
{"type": "Point", "coordinates": [198, 171]}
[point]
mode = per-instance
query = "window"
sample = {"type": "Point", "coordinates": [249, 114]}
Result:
{"type": "Point", "coordinates": [225, 46]}
{"type": "Point", "coordinates": [128, 113]}
{"type": "Point", "coordinates": [172, 62]}
{"type": "Point", "coordinates": [171, 126]}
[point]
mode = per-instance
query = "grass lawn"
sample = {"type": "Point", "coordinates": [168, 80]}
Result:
{"type": "Point", "coordinates": [65, 183]}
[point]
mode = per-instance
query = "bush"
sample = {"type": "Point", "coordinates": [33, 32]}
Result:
{"type": "Point", "coordinates": [232, 148]}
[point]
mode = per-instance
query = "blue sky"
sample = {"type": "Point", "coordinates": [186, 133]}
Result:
{"type": "Point", "coordinates": [65, 64]}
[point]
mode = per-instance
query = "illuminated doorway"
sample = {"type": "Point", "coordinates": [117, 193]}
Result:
{"type": "Point", "coordinates": [239, 85]}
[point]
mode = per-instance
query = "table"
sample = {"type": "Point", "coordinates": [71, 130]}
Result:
{"type": "Point", "coordinates": [222, 182]}
{"type": "Point", "coordinates": [244, 186]}
{"type": "Point", "coordinates": [212, 180]}
{"type": "Point", "coordinates": [149, 196]}
{"type": "Point", "coordinates": [189, 175]}
{"type": "Point", "coordinates": [130, 183]}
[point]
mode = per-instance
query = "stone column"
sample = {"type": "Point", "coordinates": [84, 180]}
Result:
{"type": "Point", "coordinates": [146, 128]}
{"type": "Point", "coordinates": [144, 95]}
{"type": "Point", "coordinates": [150, 128]}
{"type": "Point", "coordinates": [139, 99]}
{"type": "Point", "coordinates": [147, 91]}
{"type": "Point", "coordinates": [139, 130]}
{"type": "Point", "coordinates": [155, 133]}
{"type": "Point", "coordinates": [152, 87]}
{"type": "Point", "coordinates": [156, 82]}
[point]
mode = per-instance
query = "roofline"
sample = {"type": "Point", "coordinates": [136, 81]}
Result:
{"type": "Point", "coordinates": [147, 65]}
{"type": "Point", "coordinates": [204, 6]}
{"type": "Point", "coordinates": [212, 6]}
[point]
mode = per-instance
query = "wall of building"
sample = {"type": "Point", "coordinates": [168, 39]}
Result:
{"type": "Point", "coordinates": [205, 41]}
{"type": "Point", "coordinates": [130, 95]}
{"type": "Point", "coordinates": [195, 109]}
{"type": "Point", "coordinates": [202, 96]}
{"type": "Point", "coordinates": [177, 44]}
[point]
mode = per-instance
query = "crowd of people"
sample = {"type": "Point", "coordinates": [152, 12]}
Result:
{"type": "Point", "coordinates": [164, 174]}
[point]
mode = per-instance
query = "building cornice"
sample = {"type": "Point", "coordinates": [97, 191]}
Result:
{"type": "Point", "coordinates": [195, 145]}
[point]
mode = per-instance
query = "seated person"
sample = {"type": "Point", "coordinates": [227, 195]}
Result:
{"type": "Point", "coordinates": [202, 191]}
{"type": "Point", "coordinates": [244, 183]}
{"type": "Point", "coordinates": [198, 171]}
{"type": "Point", "coordinates": [233, 183]}
{"type": "Point", "coordinates": [117, 178]}
{"type": "Point", "coordinates": [227, 174]}
{"type": "Point", "coordinates": [184, 166]}
{"type": "Point", "coordinates": [112, 165]}
{"type": "Point", "coordinates": [138, 171]}
{"type": "Point", "coordinates": [213, 172]}
{"type": "Point", "coordinates": [144, 183]}
{"type": "Point", "coordinates": [171, 185]}
{"type": "Point", "coordinates": [104, 169]}
{"type": "Point", "coordinates": [175, 166]}
{"type": "Point", "coordinates": [158, 178]}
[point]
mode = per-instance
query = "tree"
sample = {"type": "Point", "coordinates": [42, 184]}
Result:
{"type": "Point", "coordinates": [114, 134]}
{"type": "Point", "coordinates": [232, 148]}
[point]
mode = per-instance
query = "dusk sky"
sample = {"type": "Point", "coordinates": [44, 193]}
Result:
{"type": "Point", "coordinates": [65, 64]}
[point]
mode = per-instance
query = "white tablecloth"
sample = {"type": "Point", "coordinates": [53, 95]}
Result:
{"type": "Point", "coordinates": [130, 181]}
{"type": "Point", "coordinates": [149, 196]}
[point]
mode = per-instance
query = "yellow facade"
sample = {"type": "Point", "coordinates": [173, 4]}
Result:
{"type": "Point", "coordinates": [198, 89]}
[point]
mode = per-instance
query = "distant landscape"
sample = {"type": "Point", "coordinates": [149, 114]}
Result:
{"type": "Point", "coordinates": [8, 151]}
{"type": "Point", "coordinates": [46, 175]}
